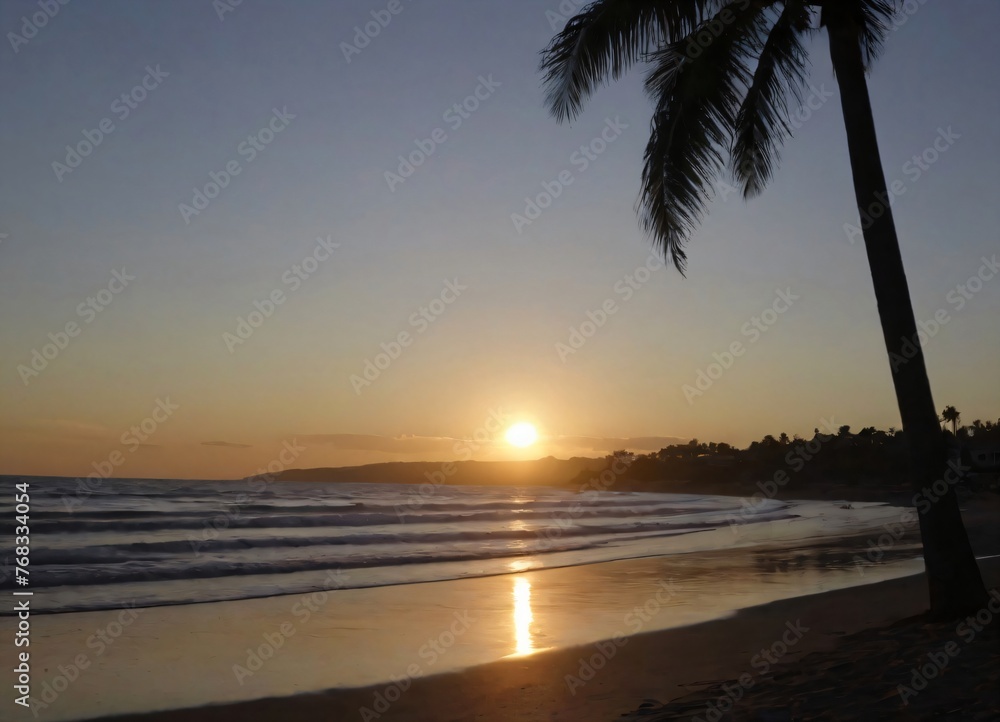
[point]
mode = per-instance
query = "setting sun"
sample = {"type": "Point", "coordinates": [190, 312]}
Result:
{"type": "Point", "coordinates": [522, 434]}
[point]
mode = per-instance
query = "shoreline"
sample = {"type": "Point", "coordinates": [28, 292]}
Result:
{"type": "Point", "coordinates": [655, 666]}
{"type": "Point", "coordinates": [533, 629]}
{"type": "Point", "coordinates": [235, 653]}
{"type": "Point", "coordinates": [240, 651]}
{"type": "Point", "coordinates": [793, 522]}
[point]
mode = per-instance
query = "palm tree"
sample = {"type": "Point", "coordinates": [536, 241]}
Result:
{"type": "Point", "coordinates": [951, 414]}
{"type": "Point", "coordinates": [722, 74]}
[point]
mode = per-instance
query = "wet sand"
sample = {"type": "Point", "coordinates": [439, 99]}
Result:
{"type": "Point", "coordinates": [653, 667]}
{"type": "Point", "coordinates": [191, 655]}
{"type": "Point", "coordinates": [332, 658]}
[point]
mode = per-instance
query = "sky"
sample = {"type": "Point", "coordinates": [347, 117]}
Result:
{"type": "Point", "coordinates": [214, 246]}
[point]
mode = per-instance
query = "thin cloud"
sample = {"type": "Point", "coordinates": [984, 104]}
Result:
{"type": "Point", "coordinates": [610, 443]}
{"type": "Point", "coordinates": [387, 444]}
{"type": "Point", "coordinates": [412, 444]}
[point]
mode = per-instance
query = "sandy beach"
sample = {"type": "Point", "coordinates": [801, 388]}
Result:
{"type": "Point", "coordinates": [588, 642]}
{"type": "Point", "coordinates": [652, 667]}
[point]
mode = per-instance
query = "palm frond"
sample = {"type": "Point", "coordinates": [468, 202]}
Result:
{"type": "Point", "coordinates": [606, 38]}
{"type": "Point", "coordinates": [697, 99]}
{"type": "Point", "coordinates": [869, 19]}
{"type": "Point", "coordinates": [762, 122]}
{"type": "Point", "coordinates": [876, 18]}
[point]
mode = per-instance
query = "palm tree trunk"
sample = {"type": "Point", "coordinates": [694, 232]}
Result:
{"type": "Point", "coordinates": [955, 584]}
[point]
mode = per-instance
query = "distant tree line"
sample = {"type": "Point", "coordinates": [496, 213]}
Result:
{"type": "Point", "coordinates": [869, 457]}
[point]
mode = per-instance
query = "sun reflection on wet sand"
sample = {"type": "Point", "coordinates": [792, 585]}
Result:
{"type": "Point", "coordinates": [522, 565]}
{"type": "Point", "coordinates": [522, 617]}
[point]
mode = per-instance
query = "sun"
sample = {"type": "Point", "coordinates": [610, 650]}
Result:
{"type": "Point", "coordinates": [521, 434]}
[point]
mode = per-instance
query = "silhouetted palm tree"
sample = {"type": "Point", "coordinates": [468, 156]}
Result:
{"type": "Point", "coordinates": [722, 75]}
{"type": "Point", "coordinates": [951, 414]}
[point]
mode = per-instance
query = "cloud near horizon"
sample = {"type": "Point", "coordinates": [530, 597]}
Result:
{"type": "Point", "coordinates": [388, 444]}
{"type": "Point", "coordinates": [606, 443]}
{"type": "Point", "coordinates": [413, 444]}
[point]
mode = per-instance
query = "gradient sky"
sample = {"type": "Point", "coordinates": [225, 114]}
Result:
{"type": "Point", "coordinates": [495, 346]}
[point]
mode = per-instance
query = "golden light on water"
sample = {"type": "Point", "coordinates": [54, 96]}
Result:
{"type": "Point", "coordinates": [521, 434]}
{"type": "Point", "coordinates": [522, 616]}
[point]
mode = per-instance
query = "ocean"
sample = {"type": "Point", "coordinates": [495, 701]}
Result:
{"type": "Point", "coordinates": [153, 542]}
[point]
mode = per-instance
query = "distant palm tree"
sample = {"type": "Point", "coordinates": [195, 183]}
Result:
{"type": "Point", "coordinates": [722, 74]}
{"type": "Point", "coordinates": [951, 414]}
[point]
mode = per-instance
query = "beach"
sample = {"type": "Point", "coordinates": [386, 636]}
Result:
{"type": "Point", "coordinates": [651, 667]}
{"type": "Point", "coordinates": [576, 642]}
